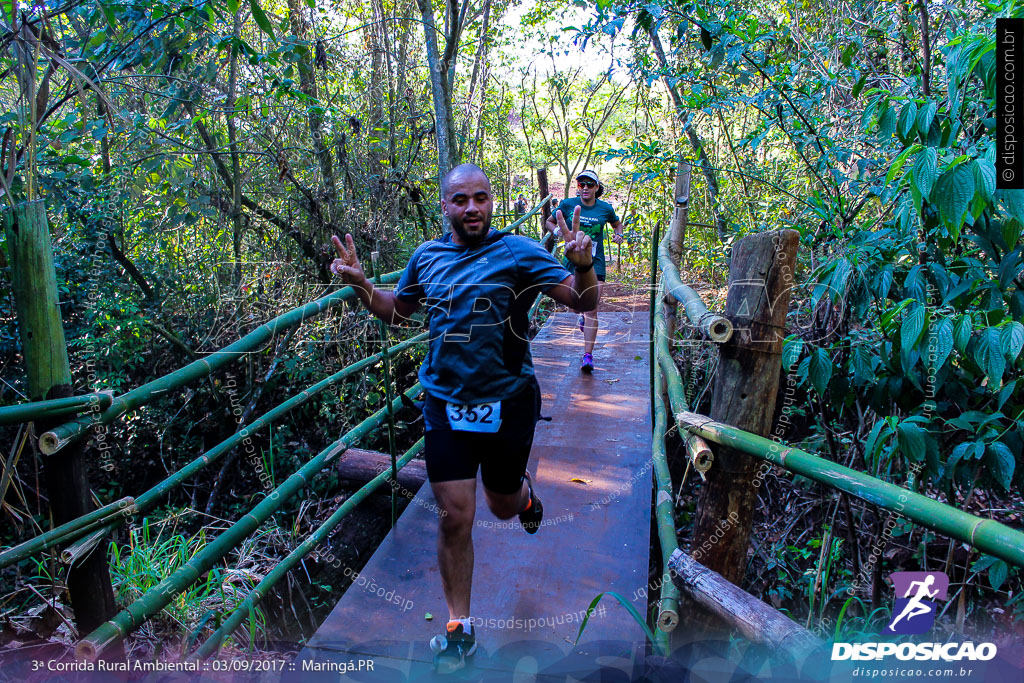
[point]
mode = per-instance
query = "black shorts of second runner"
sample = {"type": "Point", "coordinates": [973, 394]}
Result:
{"type": "Point", "coordinates": [500, 457]}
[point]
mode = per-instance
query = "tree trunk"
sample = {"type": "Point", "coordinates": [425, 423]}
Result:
{"type": "Point", "coordinates": [236, 164]}
{"type": "Point", "coordinates": [447, 153]}
{"type": "Point", "coordinates": [481, 51]}
{"type": "Point", "coordinates": [308, 87]}
{"type": "Point", "coordinates": [49, 377]}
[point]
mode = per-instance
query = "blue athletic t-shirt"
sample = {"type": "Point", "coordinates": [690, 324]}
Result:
{"type": "Point", "coordinates": [477, 299]}
{"type": "Point", "coordinates": [592, 222]}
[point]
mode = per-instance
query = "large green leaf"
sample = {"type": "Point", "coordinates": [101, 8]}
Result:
{"type": "Point", "coordinates": [988, 353]}
{"type": "Point", "coordinates": [859, 86]}
{"type": "Point", "coordinates": [876, 440]}
{"type": "Point", "coordinates": [910, 440]}
{"type": "Point", "coordinates": [791, 349]}
{"type": "Point", "coordinates": [925, 116]}
{"type": "Point", "coordinates": [997, 574]}
{"type": "Point", "coordinates": [925, 170]}
{"type": "Point", "coordinates": [960, 452]}
{"type": "Point", "coordinates": [820, 370]}
{"type": "Point", "coordinates": [984, 177]}
{"type": "Point", "coordinates": [907, 119]}
{"type": "Point", "coordinates": [260, 17]}
{"type": "Point", "coordinates": [955, 190]}
{"type": "Point", "coordinates": [1014, 202]}
{"type": "Point", "coordinates": [1001, 463]}
{"type": "Point", "coordinates": [940, 343]}
{"type": "Point", "coordinates": [1011, 340]}
{"type": "Point", "coordinates": [913, 325]}
{"type": "Point", "coordinates": [860, 360]}
{"type": "Point", "coordinates": [887, 124]}
{"type": "Point", "coordinates": [962, 332]}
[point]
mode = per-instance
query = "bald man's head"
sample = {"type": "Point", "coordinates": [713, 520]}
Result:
{"type": "Point", "coordinates": [466, 201]}
{"type": "Point", "coordinates": [460, 172]}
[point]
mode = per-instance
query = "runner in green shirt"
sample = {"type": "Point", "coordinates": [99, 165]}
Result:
{"type": "Point", "coordinates": [594, 214]}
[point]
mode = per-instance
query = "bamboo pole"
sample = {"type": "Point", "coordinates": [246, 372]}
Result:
{"type": "Point", "coordinates": [528, 215]}
{"type": "Point", "coordinates": [700, 455]}
{"type": "Point", "coordinates": [652, 307]}
{"type": "Point", "coordinates": [986, 535]}
{"type": "Point", "coordinates": [715, 327]}
{"type": "Point", "coordinates": [149, 499]}
{"type": "Point", "coordinates": [385, 338]}
{"type": "Point", "coordinates": [81, 548]}
{"type": "Point", "coordinates": [57, 438]}
{"type": "Point", "coordinates": [668, 608]}
{"type": "Point", "coordinates": [64, 533]}
{"type": "Point", "coordinates": [54, 408]}
{"type": "Point", "coordinates": [258, 593]}
{"type": "Point", "coordinates": [696, 448]}
{"type": "Point", "coordinates": [154, 600]}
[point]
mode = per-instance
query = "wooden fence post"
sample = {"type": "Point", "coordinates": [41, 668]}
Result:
{"type": "Point", "coordinates": [677, 236]}
{"type": "Point", "coordinates": [49, 377]}
{"type": "Point", "coordinates": [760, 281]}
{"type": "Point", "coordinates": [681, 213]}
{"type": "Point", "coordinates": [547, 239]}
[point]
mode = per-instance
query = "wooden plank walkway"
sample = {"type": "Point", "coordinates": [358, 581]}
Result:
{"type": "Point", "coordinates": [528, 591]}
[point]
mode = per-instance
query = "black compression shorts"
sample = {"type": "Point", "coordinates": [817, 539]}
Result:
{"type": "Point", "coordinates": [500, 457]}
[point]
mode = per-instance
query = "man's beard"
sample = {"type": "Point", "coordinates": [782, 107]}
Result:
{"type": "Point", "coordinates": [472, 238]}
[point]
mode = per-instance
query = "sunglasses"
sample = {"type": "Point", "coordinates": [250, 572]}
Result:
{"type": "Point", "coordinates": [585, 184]}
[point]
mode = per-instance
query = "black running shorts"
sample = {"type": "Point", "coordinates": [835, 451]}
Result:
{"type": "Point", "coordinates": [500, 457]}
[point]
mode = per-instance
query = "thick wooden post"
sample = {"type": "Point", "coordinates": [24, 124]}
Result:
{"type": "Point", "coordinates": [548, 240]}
{"type": "Point", "coordinates": [681, 214]}
{"type": "Point", "coordinates": [49, 377]}
{"type": "Point", "coordinates": [760, 282]}
{"type": "Point", "coordinates": [677, 236]}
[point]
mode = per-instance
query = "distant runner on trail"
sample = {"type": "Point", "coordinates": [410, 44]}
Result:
{"type": "Point", "coordinates": [482, 398]}
{"type": "Point", "coordinates": [594, 215]}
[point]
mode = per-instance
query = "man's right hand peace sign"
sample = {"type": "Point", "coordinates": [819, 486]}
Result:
{"type": "Point", "coordinates": [577, 242]}
{"type": "Point", "coordinates": [347, 264]}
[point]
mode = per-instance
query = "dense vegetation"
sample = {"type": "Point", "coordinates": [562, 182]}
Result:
{"type": "Point", "coordinates": [195, 159]}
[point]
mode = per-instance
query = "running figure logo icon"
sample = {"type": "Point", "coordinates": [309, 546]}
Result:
{"type": "Point", "coordinates": [917, 594]}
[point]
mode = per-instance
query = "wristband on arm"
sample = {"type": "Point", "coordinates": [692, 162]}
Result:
{"type": "Point", "coordinates": [584, 269]}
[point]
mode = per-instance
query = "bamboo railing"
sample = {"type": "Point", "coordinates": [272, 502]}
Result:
{"type": "Point", "coordinates": [54, 408]}
{"type": "Point", "coordinates": [986, 535]}
{"type": "Point", "coordinates": [58, 437]}
{"type": "Point", "coordinates": [79, 536]}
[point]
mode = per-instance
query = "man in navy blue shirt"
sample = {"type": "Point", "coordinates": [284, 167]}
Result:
{"type": "Point", "coordinates": [482, 399]}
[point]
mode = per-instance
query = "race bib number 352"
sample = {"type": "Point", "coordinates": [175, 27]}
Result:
{"type": "Point", "coordinates": [484, 418]}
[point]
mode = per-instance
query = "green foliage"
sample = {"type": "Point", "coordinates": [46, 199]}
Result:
{"type": "Point", "coordinates": [150, 555]}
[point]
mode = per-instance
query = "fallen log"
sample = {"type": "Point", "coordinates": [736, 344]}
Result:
{"type": "Point", "coordinates": [740, 610]}
{"type": "Point", "coordinates": [358, 465]}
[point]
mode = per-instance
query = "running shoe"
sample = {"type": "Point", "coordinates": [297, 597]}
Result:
{"type": "Point", "coordinates": [580, 321]}
{"type": "Point", "coordinates": [588, 363]}
{"type": "Point", "coordinates": [451, 649]}
{"type": "Point", "coordinates": [534, 512]}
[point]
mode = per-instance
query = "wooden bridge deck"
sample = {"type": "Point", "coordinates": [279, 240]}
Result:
{"type": "Point", "coordinates": [592, 471]}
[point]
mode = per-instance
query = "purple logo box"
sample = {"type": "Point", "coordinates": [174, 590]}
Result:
{"type": "Point", "coordinates": [917, 594]}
